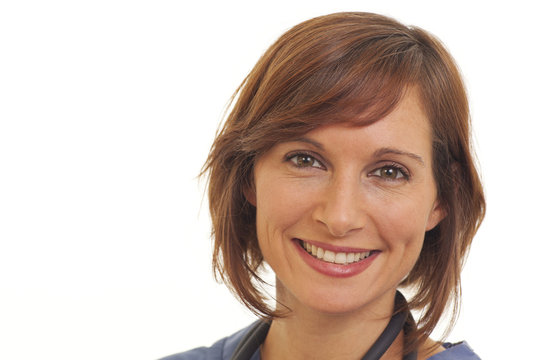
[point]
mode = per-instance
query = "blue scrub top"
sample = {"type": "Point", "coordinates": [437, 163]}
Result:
{"type": "Point", "coordinates": [224, 348]}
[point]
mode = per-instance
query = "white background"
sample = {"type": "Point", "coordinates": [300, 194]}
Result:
{"type": "Point", "coordinates": [107, 111]}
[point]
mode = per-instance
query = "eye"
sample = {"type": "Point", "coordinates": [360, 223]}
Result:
{"type": "Point", "coordinates": [302, 160]}
{"type": "Point", "coordinates": [391, 172]}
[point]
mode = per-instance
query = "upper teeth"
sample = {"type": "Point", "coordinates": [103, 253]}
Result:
{"type": "Point", "coordinates": [332, 257]}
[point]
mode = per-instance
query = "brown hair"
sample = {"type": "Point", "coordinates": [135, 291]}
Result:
{"type": "Point", "coordinates": [347, 67]}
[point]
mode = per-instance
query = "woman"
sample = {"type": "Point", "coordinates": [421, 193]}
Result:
{"type": "Point", "coordinates": [345, 165]}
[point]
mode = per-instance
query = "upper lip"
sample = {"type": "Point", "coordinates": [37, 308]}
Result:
{"type": "Point", "coordinates": [335, 248]}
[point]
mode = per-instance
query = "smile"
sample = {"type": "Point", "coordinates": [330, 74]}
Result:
{"type": "Point", "coordinates": [329, 256]}
{"type": "Point", "coordinates": [335, 261]}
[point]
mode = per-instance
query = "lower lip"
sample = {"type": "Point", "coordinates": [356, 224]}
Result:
{"type": "Point", "coordinates": [335, 270]}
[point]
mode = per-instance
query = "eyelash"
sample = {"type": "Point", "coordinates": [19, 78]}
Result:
{"type": "Point", "coordinates": [405, 175]}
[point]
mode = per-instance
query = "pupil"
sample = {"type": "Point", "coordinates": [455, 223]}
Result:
{"type": "Point", "coordinates": [389, 172]}
{"type": "Point", "coordinates": [305, 160]}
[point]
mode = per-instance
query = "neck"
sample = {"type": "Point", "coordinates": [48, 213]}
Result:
{"type": "Point", "coordinates": [310, 334]}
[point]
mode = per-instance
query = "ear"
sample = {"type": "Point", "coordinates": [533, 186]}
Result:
{"type": "Point", "coordinates": [438, 212]}
{"type": "Point", "coordinates": [250, 195]}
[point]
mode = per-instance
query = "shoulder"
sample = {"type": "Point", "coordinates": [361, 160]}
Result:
{"type": "Point", "coordinates": [221, 349]}
{"type": "Point", "coordinates": [457, 351]}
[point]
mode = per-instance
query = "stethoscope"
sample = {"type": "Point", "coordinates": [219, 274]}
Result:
{"type": "Point", "coordinates": [254, 338]}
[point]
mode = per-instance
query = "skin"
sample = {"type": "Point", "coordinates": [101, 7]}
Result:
{"type": "Point", "coordinates": [366, 187]}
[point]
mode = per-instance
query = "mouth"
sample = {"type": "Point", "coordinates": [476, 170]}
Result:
{"type": "Point", "coordinates": [336, 257]}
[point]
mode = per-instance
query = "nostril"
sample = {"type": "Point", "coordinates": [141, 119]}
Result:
{"type": "Point", "coordinates": [340, 209]}
{"type": "Point", "coordinates": [341, 226]}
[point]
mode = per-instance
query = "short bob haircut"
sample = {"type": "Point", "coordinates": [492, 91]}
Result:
{"type": "Point", "coordinates": [347, 67]}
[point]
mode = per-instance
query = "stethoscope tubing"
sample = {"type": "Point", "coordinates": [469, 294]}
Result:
{"type": "Point", "coordinates": [256, 335]}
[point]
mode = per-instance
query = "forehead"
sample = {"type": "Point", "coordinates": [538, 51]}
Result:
{"type": "Point", "coordinates": [406, 126]}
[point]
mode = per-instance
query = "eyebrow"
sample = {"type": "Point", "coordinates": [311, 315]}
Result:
{"type": "Point", "coordinates": [309, 141]}
{"type": "Point", "coordinates": [389, 150]}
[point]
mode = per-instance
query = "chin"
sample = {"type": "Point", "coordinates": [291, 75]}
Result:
{"type": "Point", "coordinates": [333, 307]}
{"type": "Point", "coordinates": [339, 302]}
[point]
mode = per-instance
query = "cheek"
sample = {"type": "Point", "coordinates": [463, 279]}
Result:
{"type": "Point", "coordinates": [279, 206]}
{"type": "Point", "coordinates": [401, 224]}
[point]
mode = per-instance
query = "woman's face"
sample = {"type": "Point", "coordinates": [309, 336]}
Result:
{"type": "Point", "coordinates": [342, 211]}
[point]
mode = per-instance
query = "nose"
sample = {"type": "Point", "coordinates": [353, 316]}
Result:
{"type": "Point", "coordinates": [342, 207]}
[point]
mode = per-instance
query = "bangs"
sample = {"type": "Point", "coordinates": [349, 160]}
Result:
{"type": "Point", "coordinates": [352, 90]}
{"type": "Point", "coordinates": [332, 74]}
